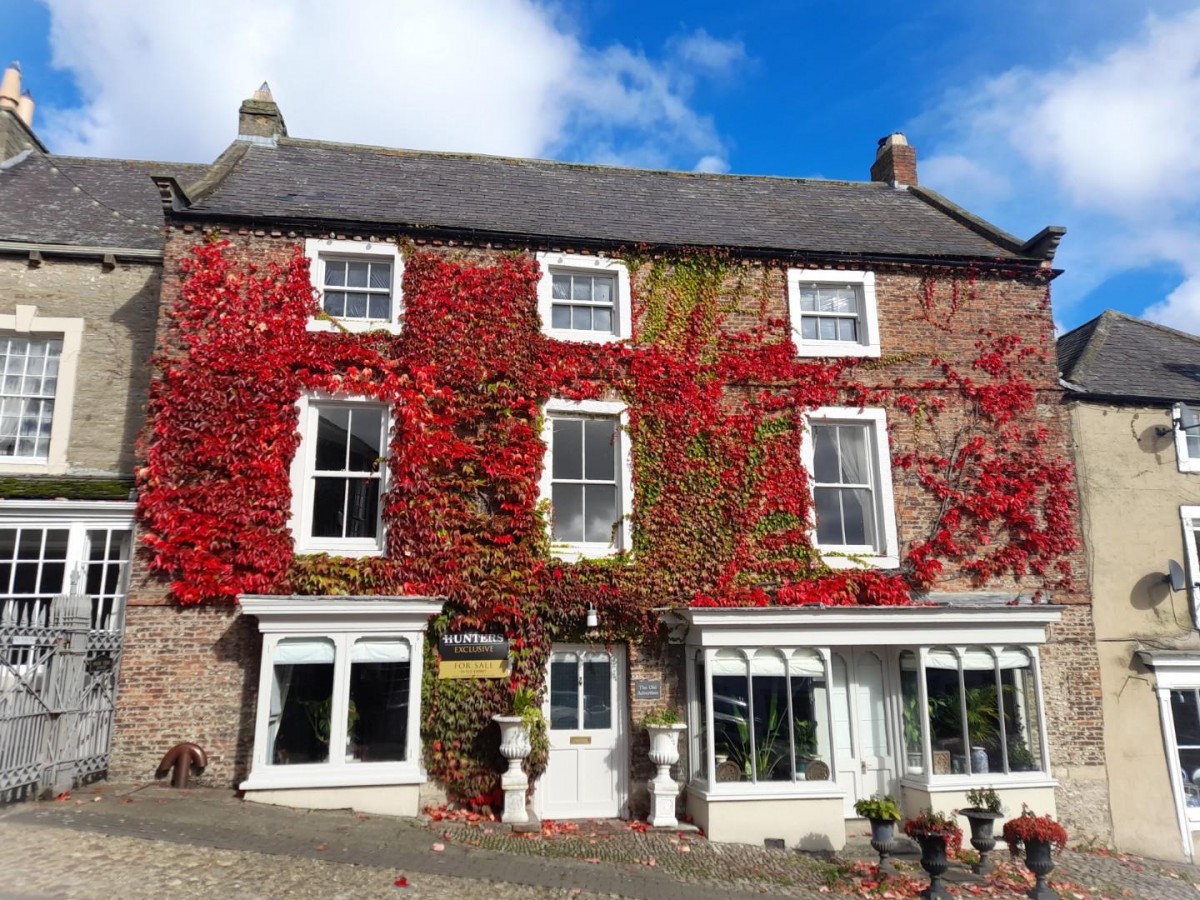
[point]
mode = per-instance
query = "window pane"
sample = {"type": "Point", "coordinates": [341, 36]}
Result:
{"type": "Point", "coordinates": [808, 328]}
{"type": "Point", "coordinates": [581, 287]}
{"type": "Point", "coordinates": [581, 318]}
{"type": "Point", "coordinates": [847, 329]}
{"type": "Point", "coordinates": [568, 448]}
{"type": "Point", "coordinates": [1021, 731]}
{"type": "Point", "coordinates": [911, 700]}
{"type": "Point", "coordinates": [333, 426]}
{"type": "Point", "coordinates": [825, 455]}
{"type": "Point", "coordinates": [699, 735]}
{"type": "Point", "coordinates": [772, 755]}
{"type": "Point", "coordinates": [377, 718]}
{"type": "Point", "coordinates": [828, 329]}
{"type": "Point", "coordinates": [30, 546]}
{"type": "Point", "coordinates": [810, 716]}
{"type": "Point", "coordinates": [603, 290]}
{"type": "Point", "coordinates": [381, 276]}
{"type": "Point", "coordinates": [299, 718]}
{"type": "Point", "coordinates": [560, 316]}
{"type": "Point", "coordinates": [356, 274]}
{"type": "Point", "coordinates": [945, 720]}
{"type": "Point", "coordinates": [560, 287]}
{"type": "Point", "coordinates": [857, 516]}
{"type": "Point", "coordinates": [366, 426]}
{"type": "Point", "coordinates": [362, 507]}
{"type": "Point", "coordinates": [564, 692]}
{"type": "Point", "coordinates": [597, 693]}
{"type": "Point", "coordinates": [335, 303]}
{"type": "Point", "coordinates": [602, 320]}
{"type": "Point", "coordinates": [983, 721]}
{"type": "Point", "coordinates": [567, 500]}
{"type": "Point", "coordinates": [335, 273]}
{"type": "Point", "coordinates": [329, 505]}
{"type": "Point", "coordinates": [379, 306]}
{"type": "Point", "coordinates": [852, 444]}
{"type": "Point", "coordinates": [356, 306]}
{"type": "Point", "coordinates": [599, 449]}
{"type": "Point", "coordinates": [808, 299]}
{"type": "Point", "coordinates": [829, 516]}
{"type": "Point", "coordinates": [731, 716]}
{"type": "Point", "coordinates": [600, 512]}
{"type": "Point", "coordinates": [1186, 716]}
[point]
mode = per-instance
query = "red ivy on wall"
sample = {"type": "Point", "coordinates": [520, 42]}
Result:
{"type": "Point", "coordinates": [722, 503]}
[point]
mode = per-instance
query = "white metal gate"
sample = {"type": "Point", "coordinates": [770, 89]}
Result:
{"type": "Point", "coordinates": [58, 685]}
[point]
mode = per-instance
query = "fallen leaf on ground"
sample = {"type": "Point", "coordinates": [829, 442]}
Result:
{"type": "Point", "coordinates": [401, 882]}
{"type": "Point", "coordinates": [438, 848]}
{"type": "Point", "coordinates": [320, 847]}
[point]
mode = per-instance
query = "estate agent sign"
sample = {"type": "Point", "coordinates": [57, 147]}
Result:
{"type": "Point", "coordinates": [471, 654]}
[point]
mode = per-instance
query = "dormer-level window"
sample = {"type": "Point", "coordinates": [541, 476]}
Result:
{"type": "Point", "coordinates": [1186, 424]}
{"type": "Point", "coordinates": [358, 284]}
{"type": "Point", "coordinates": [833, 313]}
{"type": "Point", "coordinates": [583, 298]}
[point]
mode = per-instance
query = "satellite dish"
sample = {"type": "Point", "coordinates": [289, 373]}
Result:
{"type": "Point", "coordinates": [1175, 575]}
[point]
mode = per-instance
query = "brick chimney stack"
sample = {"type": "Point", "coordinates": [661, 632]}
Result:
{"type": "Point", "coordinates": [895, 161]}
{"type": "Point", "coordinates": [259, 119]}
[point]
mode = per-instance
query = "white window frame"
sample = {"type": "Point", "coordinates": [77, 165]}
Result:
{"type": "Point", "coordinates": [1175, 671]}
{"type": "Point", "coordinates": [25, 322]}
{"type": "Point", "coordinates": [598, 409]}
{"type": "Point", "coordinates": [78, 517]}
{"type": "Point", "coordinates": [867, 344]}
{"type": "Point", "coordinates": [342, 621]}
{"type": "Point", "coordinates": [887, 553]}
{"type": "Point", "coordinates": [1190, 519]}
{"type": "Point", "coordinates": [574, 263]}
{"type": "Point", "coordinates": [1184, 415]}
{"type": "Point", "coordinates": [303, 472]}
{"type": "Point", "coordinates": [318, 250]}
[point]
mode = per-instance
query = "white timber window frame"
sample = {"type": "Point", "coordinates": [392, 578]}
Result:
{"type": "Point", "coordinates": [305, 475]}
{"type": "Point", "coordinates": [25, 324]}
{"type": "Point", "coordinates": [811, 289]}
{"type": "Point", "coordinates": [325, 254]}
{"type": "Point", "coordinates": [1177, 673]}
{"type": "Point", "coordinates": [590, 410]}
{"type": "Point", "coordinates": [1185, 423]}
{"type": "Point", "coordinates": [1189, 517]}
{"type": "Point", "coordinates": [292, 625]}
{"type": "Point", "coordinates": [574, 265]}
{"type": "Point", "coordinates": [882, 550]}
{"type": "Point", "coordinates": [54, 541]}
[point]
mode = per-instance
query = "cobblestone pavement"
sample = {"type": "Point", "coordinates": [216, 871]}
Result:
{"type": "Point", "coordinates": [134, 842]}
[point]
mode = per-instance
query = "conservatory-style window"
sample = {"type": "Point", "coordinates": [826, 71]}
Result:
{"type": "Point", "coordinates": [761, 716]}
{"type": "Point", "coordinates": [338, 704]}
{"type": "Point", "coordinates": [983, 715]}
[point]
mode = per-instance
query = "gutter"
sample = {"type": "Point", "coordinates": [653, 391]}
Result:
{"type": "Point", "coordinates": [78, 250]}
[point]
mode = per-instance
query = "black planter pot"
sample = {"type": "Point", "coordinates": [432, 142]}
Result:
{"type": "Point", "coordinates": [1040, 861]}
{"type": "Point", "coordinates": [883, 841]}
{"type": "Point", "coordinates": [983, 836]}
{"type": "Point", "coordinates": [933, 861]}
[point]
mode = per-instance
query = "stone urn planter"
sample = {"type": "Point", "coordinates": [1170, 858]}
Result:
{"type": "Point", "coordinates": [1039, 836]}
{"type": "Point", "coordinates": [935, 832]}
{"type": "Point", "coordinates": [983, 837]}
{"type": "Point", "coordinates": [664, 753]}
{"type": "Point", "coordinates": [1039, 860]}
{"type": "Point", "coordinates": [883, 813]}
{"type": "Point", "coordinates": [514, 746]}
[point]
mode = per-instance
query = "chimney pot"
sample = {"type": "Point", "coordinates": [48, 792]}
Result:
{"type": "Point", "coordinates": [25, 108]}
{"type": "Point", "coordinates": [10, 86]}
{"type": "Point", "coordinates": [895, 161]}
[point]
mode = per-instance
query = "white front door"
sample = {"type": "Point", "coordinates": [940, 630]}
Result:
{"type": "Point", "coordinates": [862, 740]}
{"type": "Point", "coordinates": [585, 711]}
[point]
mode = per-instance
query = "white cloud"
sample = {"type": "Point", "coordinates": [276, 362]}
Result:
{"type": "Point", "coordinates": [1107, 144]}
{"type": "Point", "coordinates": [506, 77]}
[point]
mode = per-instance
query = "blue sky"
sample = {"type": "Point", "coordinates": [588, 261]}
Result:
{"type": "Point", "coordinates": [1029, 113]}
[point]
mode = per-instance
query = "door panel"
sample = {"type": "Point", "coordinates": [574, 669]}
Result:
{"type": "Point", "coordinates": [862, 740]}
{"type": "Point", "coordinates": [585, 775]}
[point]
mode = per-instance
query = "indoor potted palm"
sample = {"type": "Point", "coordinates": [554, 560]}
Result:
{"type": "Point", "coordinates": [982, 811]}
{"type": "Point", "coordinates": [937, 833]}
{"type": "Point", "coordinates": [1039, 835]}
{"type": "Point", "coordinates": [883, 813]}
{"type": "Point", "coordinates": [665, 728]}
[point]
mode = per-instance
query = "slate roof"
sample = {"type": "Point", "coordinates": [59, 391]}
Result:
{"type": "Point", "coordinates": [320, 182]}
{"type": "Point", "coordinates": [1116, 356]}
{"type": "Point", "coordinates": [109, 203]}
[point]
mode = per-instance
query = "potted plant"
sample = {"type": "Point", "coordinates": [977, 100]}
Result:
{"type": "Point", "coordinates": [516, 732]}
{"type": "Point", "coordinates": [982, 811]}
{"type": "Point", "coordinates": [664, 727]}
{"type": "Point", "coordinates": [1039, 835]}
{"type": "Point", "coordinates": [883, 813]}
{"type": "Point", "coordinates": [936, 833]}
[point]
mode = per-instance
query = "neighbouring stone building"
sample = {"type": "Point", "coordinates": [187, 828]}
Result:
{"type": "Point", "coordinates": [1133, 394]}
{"type": "Point", "coordinates": [80, 264]}
{"type": "Point", "coordinates": [707, 452]}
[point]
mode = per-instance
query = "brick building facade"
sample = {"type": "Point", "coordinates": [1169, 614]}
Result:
{"type": "Point", "coordinates": [908, 279]}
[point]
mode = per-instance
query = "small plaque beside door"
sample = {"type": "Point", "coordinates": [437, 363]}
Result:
{"type": "Point", "coordinates": [581, 739]}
